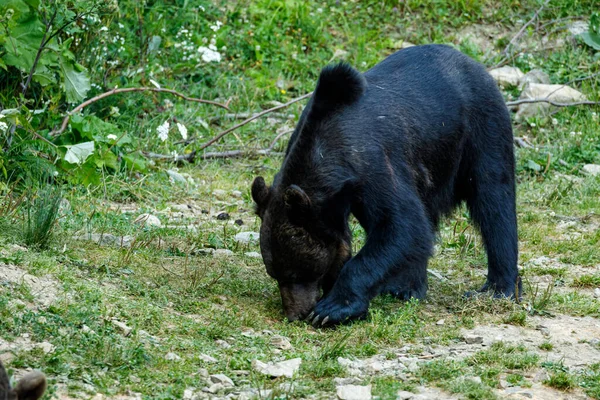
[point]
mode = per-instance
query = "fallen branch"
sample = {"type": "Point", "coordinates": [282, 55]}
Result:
{"type": "Point", "coordinates": [191, 157]}
{"type": "Point", "coordinates": [552, 102]}
{"type": "Point", "coordinates": [127, 90]}
{"type": "Point", "coordinates": [277, 138]}
{"type": "Point", "coordinates": [521, 142]}
{"type": "Point", "coordinates": [255, 116]}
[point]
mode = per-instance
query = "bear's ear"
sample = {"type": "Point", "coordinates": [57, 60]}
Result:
{"type": "Point", "coordinates": [260, 192]}
{"type": "Point", "coordinates": [338, 85]}
{"type": "Point", "coordinates": [32, 386]}
{"type": "Point", "coordinates": [296, 200]}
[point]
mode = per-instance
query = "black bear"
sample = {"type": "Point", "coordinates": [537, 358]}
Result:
{"type": "Point", "coordinates": [30, 387]}
{"type": "Point", "coordinates": [398, 147]}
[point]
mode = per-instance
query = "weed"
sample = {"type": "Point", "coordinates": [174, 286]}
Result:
{"type": "Point", "coordinates": [41, 216]}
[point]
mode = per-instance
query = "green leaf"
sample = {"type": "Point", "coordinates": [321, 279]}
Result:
{"type": "Point", "coordinates": [75, 84]}
{"type": "Point", "coordinates": [591, 39]}
{"type": "Point", "coordinates": [23, 43]}
{"type": "Point", "coordinates": [77, 154]}
{"type": "Point", "coordinates": [107, 159]}
{"type": "Point", "coordinates": [3, 66]}
{"type": "Point", "coordinates": [44, 76]}
{"type": "Point", "coordinates": [135, 163]}
{"type": "Point", "coordinates": [32, 3]}
{"type": "Point", "coordinates": [532, 165]}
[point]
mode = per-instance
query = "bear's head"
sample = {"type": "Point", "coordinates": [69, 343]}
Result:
{"type": "Point", "coordinates": [29, 387]}
{"type": "Point", "coordinates": [297, 249]}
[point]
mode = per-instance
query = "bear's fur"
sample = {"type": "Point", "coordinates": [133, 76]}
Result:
{"type": "Point", "coordinates": [398, 147]}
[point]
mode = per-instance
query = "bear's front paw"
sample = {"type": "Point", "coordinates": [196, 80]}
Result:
{"type": "Point", "coordinates": [332, 311]}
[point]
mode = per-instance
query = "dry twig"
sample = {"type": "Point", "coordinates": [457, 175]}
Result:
{"type": "Point", "coordinates": [127, 90]}
{"type": "Point", "coordinates": [255, 116]}
{"type": "Point", "coordinates": [552, 102]}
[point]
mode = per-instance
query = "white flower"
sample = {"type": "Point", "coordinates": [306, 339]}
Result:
{"type": "Point", "coordinates": [208, 54]}
{"type": "Point", "coordinates": [216, 26]}
{"type": "Point", "coordinates": [183, 130]}
{"type": "Point", "coordinates": [104, 29]}
{"type": "Point", "coordinates": [202, 8]}
{"type": "Point", "coordinates": [163, 131]}
{"type": "Point", "coordinates": [111, 137]}
{"type": "Point", "coordinates": [3, 126]}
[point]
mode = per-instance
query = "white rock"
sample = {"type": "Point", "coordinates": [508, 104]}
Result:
{"type": "Point", "coordinates": [236, 194]}
{"type": "Point", "coordinates": [207, 358]}
{"type": "Point", "coordinates": [222, 253]}
{"type": "Point", "coordinates": [46, 347]}
{"type": "Point", "coordinates": [214, 388]}
{"type": "Point", "coordinates": [404, 395]}
{"type": "Point", "coordinates": [172, 357]}
{"type": "Point", "coordinates": [247, 237]}
{"type": "Point", "coordinates": [339, 53]}
{"type": "Point", "coordinates": [280, 342]}
{"type": "Point", "coordinates": [219, 194]}
{"type": "Point", "coordinates": [147, 220]}
{"type": "Point", "coordinates": [556, 93]}
{"type": "Point", "coordinates": [473, 339]}
{"type": "Point", "coordinates": [188, 394]}
{"type": "Point", "coordinates": [507, 76]}
{"type": "Point", "coordinates": [354, 392]}
{"type": "Point", "coordinates": [597, 293]}
{"type": "Point", "coordinates": [253, 254]}
{"type": "Point", "coordinates": [440, 322]}
{"type": "Point", "coordinates": [535, 76]}
{"type": "Point", "coordinates": [222, 343]}
{"type": "Point", "coordinates": [591, 169]}
{"type": "Point", "coordinates": [578, 27]}
{"type": "Point", "coordinates": [176, 176]}
{"type": "Point", "coordinates": [276, 369]}
{"type": "Point", "coordinates": [125, 330]}
{"type": "Point", "coordinates": [222, 379]}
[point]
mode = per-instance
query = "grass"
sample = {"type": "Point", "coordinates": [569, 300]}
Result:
{"type": "Point", "coordinates": [178, 298]}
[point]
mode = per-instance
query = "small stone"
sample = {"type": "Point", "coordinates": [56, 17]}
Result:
{"type": "Point", "coordinates": [276, 369]}
{"type": "Point", "coordinates": [535, 76]}
{"type": "Point", "coordinates": [207, 358]}
{"type": "Point", "coordinates": [214, 388]}
{"type": "Point", "coordinates": [507, 76]}
{"type": "Point", "coordinates": [354, 392]}
{"type": "Point", "coordinates": [236, 194]}
{"type": "Point", "coordinates": [222, 343]}
{"type": "Point", "coordinates": [135, 378]}
{"type": "Point", "coordinates": [222, 379]}
{"type": "Point", "coordinates": [339, 53]}
{"type": "Point", "coordinates": [222, 253]}
{"type": "Point", "coordinates": [473, 339]}
{"type": "Point", "coordinates": [404, 395]}
{"type": "Point", "coordinates": [239, 222]}
{"type": "Point", "coordinates": [172, 357]}
{"type": "Point", "coordinates": [188, 394]}
{"type": "Point", "coordinates": [247, 237]}
{"type": "Point", "coordinates": [541, 376]}
{"type": "Point", "coordinates": [591, 169]}
{"type": "Point", "coordinates": [440, 322]}
{"type": "Point", "coordinates": [176, 176]}
{"type": "Point", "coordinates": [223, 216]}
{"type": "Point", "coordinates": [46, 347]}
{"type": "Point", "coordinates": [253, 254]}
{"type": "Point", "coordinates": [280, 342]}
{"type": "Point", "coordinates": [557, 93]}
{"type": "Point", "coordinates": [147, 220]}
{"type": "Point", "coordinates": [125, 330]}
{"type": "Point", "coordinates": [219, 194]}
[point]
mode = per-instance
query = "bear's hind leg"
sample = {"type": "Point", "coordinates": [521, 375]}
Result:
{"type": "Point", "coordinates": [491, 203]}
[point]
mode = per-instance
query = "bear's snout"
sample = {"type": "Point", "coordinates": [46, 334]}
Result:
{"type": "Point", "coordinates": [299, 299]}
